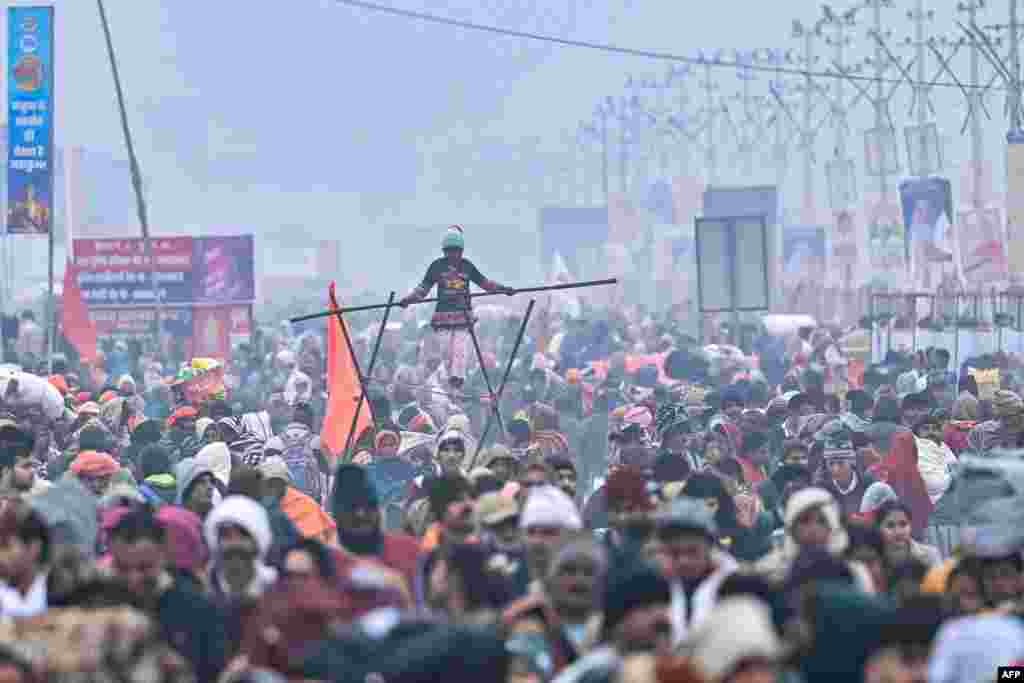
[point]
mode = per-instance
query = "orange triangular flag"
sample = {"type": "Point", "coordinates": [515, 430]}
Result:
{"type": "Point", "coordinates": [343, 388]}
{"type": "Point", "coordinates": [79, 329]}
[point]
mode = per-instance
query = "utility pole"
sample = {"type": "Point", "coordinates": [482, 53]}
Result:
{"type": "Point", "coordinates": [840, 169]}
{"type": "Point", "coordinates": [884, 132]}
{"type": "Point", "coordinates": [808, 136]}
{"type": "Point", "coordinates": [975, 103]}
{"type": "Point", "coordinates": [919, 151]}
{"type": "Point", "coordinates": [779, 88]}
{"type": "Point", "coordinates": [710, 118]}
{"type": "Point", "coordinates": [597, 130]}
{"type": "Point", "coordinates": [1015, 114]}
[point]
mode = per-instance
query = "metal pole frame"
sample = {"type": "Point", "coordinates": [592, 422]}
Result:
{"type": "Point", "coordinates": [369, 368]}
{"type": "Point", "coordinates": [504, 380]}
{"type": "Point", "coordinates": [483, 367]}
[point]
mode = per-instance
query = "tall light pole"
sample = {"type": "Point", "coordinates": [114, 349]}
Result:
{"type": "Point", "coordinates": [975, 104]}
{"type": "Point", "coordinates": [809, 34]}
{"type": "Point", "coordinates": [919, 151]}
{"type": "Point", "coordinates": [840, 170]}
{"type": "Point", "coordinates": [709, 112]}
{"type": "Point", "coordinates": [883, 130]}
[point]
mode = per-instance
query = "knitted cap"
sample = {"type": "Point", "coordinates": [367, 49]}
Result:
{"type": "Point", "coordinates": [453, 238]}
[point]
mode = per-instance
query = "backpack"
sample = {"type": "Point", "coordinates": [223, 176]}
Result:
{"type": "Point", "coordinates": [302, 463]}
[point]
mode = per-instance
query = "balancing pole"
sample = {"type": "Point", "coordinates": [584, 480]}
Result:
{"type": "Point", "coordinates": [504, 380]}
{"type": "Point", "coordinates": [369, 369]}
{"type": "Point", "coordinates": [524, 290]}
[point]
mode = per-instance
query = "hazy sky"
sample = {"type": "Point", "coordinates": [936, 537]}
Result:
{"type": "Point", "coordinates": [265, 114]}
{"type": "Point", "coordinates": [250, 116]}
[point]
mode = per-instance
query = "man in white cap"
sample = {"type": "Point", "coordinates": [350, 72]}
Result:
{"type": "Point", "coordinates": [548, 516]}
{"type": "Point", "coordinates": [452, 274]}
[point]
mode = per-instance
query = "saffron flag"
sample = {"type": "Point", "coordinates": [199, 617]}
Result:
{"type": "Point", "coordinates": [343, 388]}
{"type": "Point", "coordinates": [79, 329]}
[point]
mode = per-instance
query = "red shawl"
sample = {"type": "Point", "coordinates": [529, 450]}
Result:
{"type": "Point", "coordinates": [899, 470]}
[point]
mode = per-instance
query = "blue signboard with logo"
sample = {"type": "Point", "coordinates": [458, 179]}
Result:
{"type": "Point", "coordinates": [30, 120]}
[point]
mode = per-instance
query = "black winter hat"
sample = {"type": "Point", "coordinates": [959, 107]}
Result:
{"type": "Point", "coordinates": [154, 459]}
{"type": "Point", "coordinates": [629, 588]}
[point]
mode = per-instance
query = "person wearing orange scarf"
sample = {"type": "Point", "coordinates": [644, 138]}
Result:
{"type": "Point", "coordinates": [304, 512]}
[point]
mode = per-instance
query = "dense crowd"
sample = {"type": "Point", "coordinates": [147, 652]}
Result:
{"type": "Point", "coordinates": [640, 508]}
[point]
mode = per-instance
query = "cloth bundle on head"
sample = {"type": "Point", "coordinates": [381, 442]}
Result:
{"type": "Point", "coordinates": [94, 464]}
{"type": "Point", "coordinates": [1006, 403]}
{"type": "Point", "coordinates": [547, 506]}
{"type": "Point", "coordinates": [245, 513]}
{"type": "Point", "coordinates": [274, 467]}
{"type": "Point", "coordinates": [738, 629]}
{"type": "Point", "coordinates": [353, 489]}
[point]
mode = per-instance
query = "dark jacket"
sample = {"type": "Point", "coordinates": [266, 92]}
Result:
{"type": "Point", "coordinates": [195, 628]}
{"type": "Point", "coordinates": [849, 502]}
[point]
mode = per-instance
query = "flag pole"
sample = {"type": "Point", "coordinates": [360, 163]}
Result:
{"type": "Point", "coordinates": [140, 200]}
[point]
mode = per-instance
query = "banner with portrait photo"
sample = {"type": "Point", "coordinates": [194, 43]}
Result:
{"type": "Point", "coordinates": [982, 253]}
{"type": "Point", "coordinates": [927, 205]}
{"type": "Point", "coordinates": [30, 157]}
